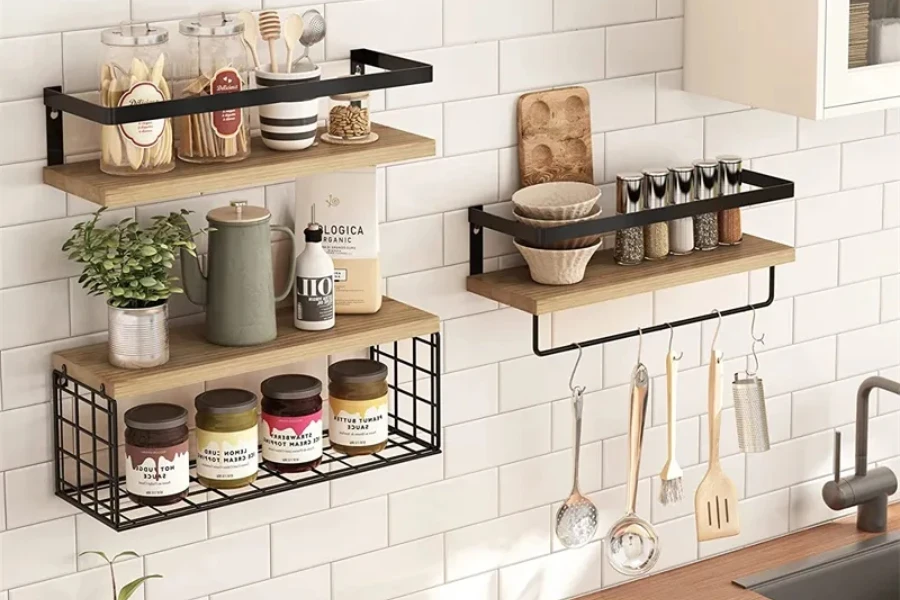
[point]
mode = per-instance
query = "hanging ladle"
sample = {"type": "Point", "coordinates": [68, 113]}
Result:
{"type": "Point", "coordinates": [632, 546]}
{"type": "Point", "coordinates": [576, 520]}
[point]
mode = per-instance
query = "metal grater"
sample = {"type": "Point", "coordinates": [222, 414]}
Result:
{"type": "Point", "coordinates": [750, 413]}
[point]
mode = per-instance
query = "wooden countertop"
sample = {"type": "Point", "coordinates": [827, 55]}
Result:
{"type": "Point", "coordinates": [711, 579]}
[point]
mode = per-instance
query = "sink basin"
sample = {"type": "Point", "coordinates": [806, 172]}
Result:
{"type": "Point", "coordinates": [869, 570]}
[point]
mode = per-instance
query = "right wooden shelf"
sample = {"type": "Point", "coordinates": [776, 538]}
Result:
{"type": "Point", "coordinates": [605, 280]}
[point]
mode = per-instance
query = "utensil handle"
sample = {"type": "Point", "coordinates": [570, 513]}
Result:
{"type": "Point", "coordinates": [671, 390]}
{"type": "Point", "coordinates": [292, 271]}
{"type": "Point", "coordinates": [579, 410]}
{"type": "Point", "coordinates": [640, 394]}
{"type": "Point", "coordinates": [273, 55]}
{"type": "Point", "coordinates": [715, 405]}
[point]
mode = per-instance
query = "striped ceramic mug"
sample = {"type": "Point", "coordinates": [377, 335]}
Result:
{"type": "Point", "coordinates": [289, 125]}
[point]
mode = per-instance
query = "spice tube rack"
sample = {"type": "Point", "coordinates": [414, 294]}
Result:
{"type": "Point", "coordinates": [88, 431]}
{"type": "Point", "coordinates": [604, 280]}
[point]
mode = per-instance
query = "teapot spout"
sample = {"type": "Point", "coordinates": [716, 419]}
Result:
{"type": "Point", "coordinates": [193, 278]}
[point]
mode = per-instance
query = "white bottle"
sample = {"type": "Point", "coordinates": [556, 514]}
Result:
{"type": "Point", "coordinates": [314, 299]}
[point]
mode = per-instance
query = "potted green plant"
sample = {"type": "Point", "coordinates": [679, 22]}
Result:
{"type": "Point", "coordinates": [130, 588]}
{"type": "Point", "coordinates": [130, 265]}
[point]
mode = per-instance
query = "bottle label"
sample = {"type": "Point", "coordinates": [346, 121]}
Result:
{"type": "Point", "coordinates": [358, 422]}
{"type": "Point", "coordinates": [292, 440]}
{"type": "Point", "coordinates": [156, 472]}
{"type": "Point", "coordinates": [226, 123]}
{"type": "Point", "coordinates": [231, 455]}
{"type": "Point", "coordinates": [143, 134]}
{"type": "Point", "coordinates": [315, 298]}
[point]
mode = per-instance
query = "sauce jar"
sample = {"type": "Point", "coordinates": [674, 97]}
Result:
{"type": "Point", "coordinates": [157, 464]}
{"type": "Point", "coordinates": [216, 64]}
{"type": "Point", "coordinates": [348, 118]}
{"type": "Point", "coordinates": [358, 397]}
{"type": "Point", "coordinates": [227, 438]}
{"type": "Point", "coordinates": [134, 72]}
{"type": "Point", "coordinates": [292, 423]}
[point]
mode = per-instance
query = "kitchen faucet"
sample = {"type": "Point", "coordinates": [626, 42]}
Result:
{"type": "Point", "coordinates": [867, 490]}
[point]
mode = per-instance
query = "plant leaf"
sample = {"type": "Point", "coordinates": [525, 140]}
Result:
{"type": "Point", "coordinates": [128, 591]}
{"type": "Point", "coordinates": [126, 554]}
{"type": "Point", "coordinates": [96, 553]}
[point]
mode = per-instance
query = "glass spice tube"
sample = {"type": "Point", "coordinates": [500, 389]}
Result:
{"type": "Point", "coordinates": [681, 191]}
{"type": "Point", "coordinates": [730, 179]}
{"type": "Point", "coordinates": [706, 186]}
{"type": "Point", "coordinates": [656, 235]}
{"type": "Point", "coordinates": [629, 199]}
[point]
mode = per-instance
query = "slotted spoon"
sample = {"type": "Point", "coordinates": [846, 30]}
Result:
{"type": "Point", "coordinates": [576, 520]}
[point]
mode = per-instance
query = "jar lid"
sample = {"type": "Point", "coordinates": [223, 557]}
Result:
{"type": "Point", "coordinates": [156, 416]}
{"type": "Point", "coordinates": [211, 26]}
{"type": "Point", "coordinates": [228, 401]}
{"type": "Point", "coordinates": [134, 35]}
{"type": "Point", "coordinates": [352, 96]}
{"type": "Point", "coordinates": [291, 387]}
{"type": "Point", "coordinates": [239, 213]}
{"type": "Point", "coordinates": [357, 370]}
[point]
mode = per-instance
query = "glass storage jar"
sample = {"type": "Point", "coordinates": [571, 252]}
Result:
{"type": "Point", "coordinates": [227, 438]}
{"type": "Point", "coordinates": [133, 72]}
{"type": "Point", "coordinates": [215, 64]}
{"type": "Point", "coordinates": [358, 396]}
{"type": "Point", "coordinates": [348, 118]}
{"type": "Point", "coordinates": [157, 464]}
{"type": "Point", "coordinates": [292, 423]}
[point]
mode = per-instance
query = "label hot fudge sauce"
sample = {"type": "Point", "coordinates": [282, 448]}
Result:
{"type": "Point", "coordinates": [157, 466]}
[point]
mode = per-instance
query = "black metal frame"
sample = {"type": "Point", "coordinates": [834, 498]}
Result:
{"type": "Point", "coordinates": [396, 72]}
{"type": "Point", "coordinates": [767, 189]}
{"type": "Point", "coordinates": [86, 441]}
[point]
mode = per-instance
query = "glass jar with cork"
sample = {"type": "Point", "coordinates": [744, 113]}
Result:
{"type": "Point", "coordinates": [349, 121]}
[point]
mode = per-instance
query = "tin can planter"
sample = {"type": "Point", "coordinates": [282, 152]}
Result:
{"type": "Point", "coordinates": [139, 337]}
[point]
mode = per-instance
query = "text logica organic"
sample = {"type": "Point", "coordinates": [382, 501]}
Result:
{"type": "Point", "coordinates": [341, 234]}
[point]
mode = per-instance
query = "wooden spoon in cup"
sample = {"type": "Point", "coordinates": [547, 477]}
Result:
{"type": "Point", "coordinates": [250, 35]}
{"type": "Point", "coordinates": [293, 29]}
{"type": "Point", "coordinates": [270, 30]}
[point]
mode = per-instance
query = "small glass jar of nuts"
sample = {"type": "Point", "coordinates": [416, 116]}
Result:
{"type": "Point", "coordinates": [348, 119]}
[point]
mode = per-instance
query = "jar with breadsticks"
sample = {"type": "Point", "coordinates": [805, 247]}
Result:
{"type": "Point", "coordinates": [215, 64]}
{"type": "Point", "coordinates": [134, 71]}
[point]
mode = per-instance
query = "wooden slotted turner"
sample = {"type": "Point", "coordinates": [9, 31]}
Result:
{"type": "Point", "coordinates": [716, 501]}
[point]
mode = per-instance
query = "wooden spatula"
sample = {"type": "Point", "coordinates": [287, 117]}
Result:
{"type": "Point", "coordinates": [716, 501]}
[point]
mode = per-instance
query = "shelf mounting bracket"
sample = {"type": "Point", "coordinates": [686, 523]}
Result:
{"type": "Point", "coordinates": [536, 325]}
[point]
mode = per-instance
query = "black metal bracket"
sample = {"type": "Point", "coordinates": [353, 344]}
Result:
{"type": "Point", "coordinates": [536, 325]}
{"type": "Point", "coordinates": [395, 71]}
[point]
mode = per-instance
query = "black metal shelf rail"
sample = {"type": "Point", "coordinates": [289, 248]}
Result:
{"type": "Point", "coordinates": [767, 188]}
{"type": "Point", "coordinates": [396, 72]}
{"type": "Point", "coordinates": [87, 452]}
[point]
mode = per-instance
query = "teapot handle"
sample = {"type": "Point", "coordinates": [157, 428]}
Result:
{"type": "Point", "coordinates": [292, 270]}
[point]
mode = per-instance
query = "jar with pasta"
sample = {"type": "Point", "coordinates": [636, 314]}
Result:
{"type": "Point", "coordinates": [216, 64]}
{"type": "Point", "coordinates": [133, 72]}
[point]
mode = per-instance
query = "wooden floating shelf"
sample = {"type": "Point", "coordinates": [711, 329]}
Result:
{"type": "Point", "coordinates": [262, 167]}
{"type": "Point", "coordinates": [194, 360]}
{"type": "Point", "coordinates": [605, 280]}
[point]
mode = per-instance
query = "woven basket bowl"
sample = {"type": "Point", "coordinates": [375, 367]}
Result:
{"type": "Point", "coordinates": [556, 201]}
{"type": "Point", "coordinates": [573, 244]}
{"type": "Point", "coordinates": [557, 267]}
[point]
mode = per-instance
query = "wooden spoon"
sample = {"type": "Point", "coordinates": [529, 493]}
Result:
{"type": "Point", "coordinates": [270, 30]}
{"type": "Point", "coordinates": [250, 35]}
{"type": "Point", "coordinates": [293, 29]}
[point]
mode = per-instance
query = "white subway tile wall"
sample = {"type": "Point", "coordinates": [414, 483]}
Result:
{"type": "Point", "coordinates": [477, 521]}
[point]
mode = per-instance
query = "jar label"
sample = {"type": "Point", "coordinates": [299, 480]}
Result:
{"type": "Point", "coordinates": [143, 134]}
{"type": "Point", "coordinates": [227, 123]}
{"type": "Point", "coordinates": [315, 298]}
{"type": "Point", "coordinates": [229, 455]}
{"type": "Point", "coordinates": [156, 472]}
{"type": "Point", "coordinates": [292, 440]}
{"type": "Point", "coordinates": [358, 422]}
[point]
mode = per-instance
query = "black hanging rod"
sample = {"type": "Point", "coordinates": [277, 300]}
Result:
{"type": "Point", "coordinates": [397, 72]}
{"type": "Point", "coordinates": [536, 325]}
{"type": "Point", "coordinates": [767, 189]}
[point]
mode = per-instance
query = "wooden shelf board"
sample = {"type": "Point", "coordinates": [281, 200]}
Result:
{"type": "Point", "coordinates": [605, 280]}
{"type": "Point", "coordinates": [262, 167]}
{"type": "Point", "coordinates": [192, 359]}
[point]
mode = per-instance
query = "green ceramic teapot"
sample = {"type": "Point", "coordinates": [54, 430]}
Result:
{"type": "Point", "coordinates": [237, 289]}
